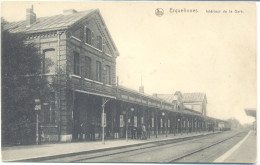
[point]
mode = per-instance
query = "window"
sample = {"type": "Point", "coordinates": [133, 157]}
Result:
{"type": "Point", "coordinates": [76, 63]}
{"type": "Point", "coordinates": [88, 36]}
{"type": "Point", "coordinates": [98, 71]}
{"type": "Point", "coordinates": [81, 34]}
{"type": "Point", "coordinates": [108, 75]}
{"type": "Point", "coordinates": [99, 42]}
{"type": "Point", "coordinates": [52, 111]}
{"type": "Point", "coordinates": [46, 111]}
{"type": "Point", "coordinates": [49, 61]}
{"type": "Point", "coordinates": [87, 67]}
{"type": "Point", "coordinates": [49, 109]}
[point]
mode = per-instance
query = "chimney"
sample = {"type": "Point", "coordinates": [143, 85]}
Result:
{"type": "Point", "coordinates": [30, 17]}
{"type": "Point", "coordinates": [69, 11]}
{"type": "Point", "coordinates": [141, 89]}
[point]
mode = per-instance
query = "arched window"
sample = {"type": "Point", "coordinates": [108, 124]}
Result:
{"type": "Point", "coordinates": [88, 36]}
{"type": "Point", "coordinates": [99, 42]}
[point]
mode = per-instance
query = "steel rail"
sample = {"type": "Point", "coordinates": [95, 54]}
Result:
{"type": "Point", "coordinates": [204, 148]}
{"type": "Point", "coordinates": [149, 145]}
{"type": "Point", "coordinates": [146, 146]}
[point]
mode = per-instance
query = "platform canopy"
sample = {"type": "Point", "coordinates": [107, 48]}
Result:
{"type": "Point", "coordinates": [250, 112]}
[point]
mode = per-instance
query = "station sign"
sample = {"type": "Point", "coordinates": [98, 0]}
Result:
{"type": "Point", "coordinates": [37, 106]}
{"type": "Point", "coordinates": [121, 121]}
{"type": "Point", "coordinates": [135, 121]}
{"type": "Point", "coordinates": [105, 120]}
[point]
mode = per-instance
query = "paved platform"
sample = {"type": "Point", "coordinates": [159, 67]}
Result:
{"type": "Point", "coordinates": [243, 152]}
{"type": "Point", "coordinates": [246, 152]}
{"type": "Point", "coordinates": [17, 153]}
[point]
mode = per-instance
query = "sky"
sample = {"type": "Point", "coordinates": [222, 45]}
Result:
{"type": "Point", "coordinates": [213, 53]}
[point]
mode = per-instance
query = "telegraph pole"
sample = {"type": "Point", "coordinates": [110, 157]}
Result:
{"type": "Point", "coordinates": [104, 101]}
{"type": "Point", "coordinates": [37, 108]}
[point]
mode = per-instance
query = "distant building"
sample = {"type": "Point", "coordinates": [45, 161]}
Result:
{"type": "Point", "coordinates": [189, 102]}
{"type": "Point", "coordinates": [234, 123]}
{"type": "Point", "coordinates": [178, 101]}
{"type": "Point", "coordinates": [175, 99]}
{"type": "Point", "coordinates": [196, 101]}
{"type": "Point", "coordinates": [251, 112]}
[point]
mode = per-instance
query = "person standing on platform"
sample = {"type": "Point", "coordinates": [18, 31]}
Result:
{"type": "Point", "coordinates": [133, 132]}
{"type": "Point", "coordinates": [148, 131]}
{"type": "Point", "coordinates": [144, 132]}
{"type": "Point", "coordinates": [139, 132]}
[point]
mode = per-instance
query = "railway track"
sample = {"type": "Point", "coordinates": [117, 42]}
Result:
{"type": "Point", "coordinates": [121, 154]}
{"type": "Point", "coordinates": [159, 145]}
{"type": "Point", "coordinates": [152, 146]}
{"type": "Point", "coordinates": [141, 147]}
{"type": "Point", "coordinates": [72, 157]}
{"type": "Point", "coordinates": [204, 148]}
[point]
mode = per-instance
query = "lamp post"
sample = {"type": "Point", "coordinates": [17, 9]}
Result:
{"type": "Point", "coordinates": [192, 124]}
{"type": "Point", "coordinates": [156, 124]}
{"type": "Point", "coordinates": [178, 125]}
{"type": "Point", "coordinates": [126, 132]}
{"type": "Point", "coordinates": [104, 101]}
{"type": "Point", "coordinates": [174, 124]}
{"type": "Point", "coordinates": [103, 122]}
{"type": "Point", "coordinates": [37, 108]}
{"type": "Point", "coordinates": [183, 124]}
{"type": "Point", "coordinates": [165, 128]}
{"type": "Point", "coordinates": [196, 125]}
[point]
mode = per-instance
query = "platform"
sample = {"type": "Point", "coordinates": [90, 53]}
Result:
{"type": "Point", "coordinates": [244, 152]}
{"type": "Point", "coordinates": [20, 153]}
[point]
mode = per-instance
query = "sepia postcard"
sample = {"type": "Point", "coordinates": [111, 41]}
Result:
{"type": "Point", "coordinates": [128, 82]}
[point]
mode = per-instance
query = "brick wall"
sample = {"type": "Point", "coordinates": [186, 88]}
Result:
{"type": "Point", "coordinates": [64, 46]}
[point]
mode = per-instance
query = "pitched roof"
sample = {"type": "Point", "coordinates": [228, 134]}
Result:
{"type": "Point", "coordinates": [190, 111]}
{"type": "Point", "coordinates": [194, 97]}
{"type": "Point", "coordinates": [167, 97]}
{"type": "Point", "coordinates": [142, 94]}
{"type": "Point", "coordinates": [178, 93]}
{"type": "Point", "coordinates": [250, 112]}
{"type": "Point", "coordinates": [61, 21]}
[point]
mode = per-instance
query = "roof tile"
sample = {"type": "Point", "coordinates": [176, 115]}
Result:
{"type": "Point", "coordinates": [193, 97]}
{"type": "Point", "coordinates": [166, 97]}
{"type": "Point", "coordinates": [46, 23]}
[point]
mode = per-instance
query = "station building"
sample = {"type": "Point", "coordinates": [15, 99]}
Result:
{"type": "Point", "coordinates": [196, 101]}
{"type": "Point", "coordinates": [79, 60]}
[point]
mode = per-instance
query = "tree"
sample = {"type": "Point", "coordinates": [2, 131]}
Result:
{"type": "Point", "coordinates": [22, 83]}
{"type": "Point", "coordinates": [234, 123]}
